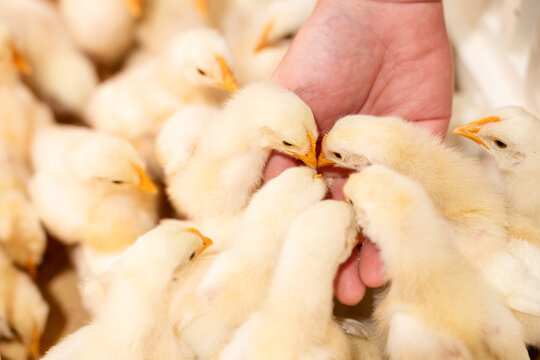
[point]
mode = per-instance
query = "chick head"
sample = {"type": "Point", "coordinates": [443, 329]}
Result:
{"type": "Point", "coordinates": [109, 163]}
{"type": "Point", "coordinates": [202, 57]}
{"type": "Point", "coordinates": [10, 57]}
{"type": "Point", "coordinates": [328, 226]}
{"type": "Point", "coordinates": [281, 119]}
{"type": "Point", "coordinates": [509, 134]}
{"type": "Point", "coordinates": [163, 253]}
{"type": "Point", "coordinates": [387, 205]}
{"type": "Point", "coordinates": [282, 20]}
{"type": "Point", "coordinates": [354, 142]}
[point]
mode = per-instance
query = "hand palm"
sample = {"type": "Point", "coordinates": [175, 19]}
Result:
{"type": "Point", "coordinates": [372, 57]}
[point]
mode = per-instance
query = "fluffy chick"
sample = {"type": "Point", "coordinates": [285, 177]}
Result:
{"type": "Point", "coordinates": [299, 318]}
{"type": "Point", "coordinates": [458, 186]}
{"type": "Point", "coordinates": [21, 114]}
{"type": "Point", "coordinates": [239, 277]}
{"type": "Point", "coordinates": [23, 311]}
{"type": "Point", "coordinates": [91, 188]}
{"type": "Point", "coordinates": [361, 335]}
{"type": "Point", "coordinates": [220, 169]}
{"type": "Point", "coordinates": [132, 322]}
{"type": "Point", "coordinates": [260, 34]}
{"type": "Point", "coordinates": [510, 136]}
{"type": "Point", "coordinates": [134, 104]}
{"type": "Point", "coordinates": [60, 71]}
{"type": "Point", "coordinates": [105, 29]}
{"type": "Point", "coordinates": [436, 305]}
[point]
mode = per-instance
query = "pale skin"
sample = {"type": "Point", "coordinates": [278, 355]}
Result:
{"type": "Point", "coordinates": [377, 57]}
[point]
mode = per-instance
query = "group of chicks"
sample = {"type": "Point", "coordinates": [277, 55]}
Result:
{"type": "Point", "coordinates": [248, 272]}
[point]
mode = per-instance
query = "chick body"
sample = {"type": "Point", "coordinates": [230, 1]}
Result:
{"type": "Point", "coordinates": [436, 305]}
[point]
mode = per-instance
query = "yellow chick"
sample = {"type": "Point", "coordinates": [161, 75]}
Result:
{"type": "Point", "coordinates": [260, 34]}
{"type": "Point", "coordinates": [223, 165]}
{"type": "Point", "coordinates": [239, 277]}
{"type": "Point", "coordinates": [22, 308]}
{"type": "Point", "coordinates": [59, 70]}
{"type": "Point", "coordinates": [21, 114]}
{"type": "Point", "coordinates": [105, 29]}
{"type": "Point", "coordinates": [295, 322]}
{"type": "Point", "coordinates": [91, 188]}
{"type": "Point", "coordinates": [436, 305]}
{"type": "Point", "coordinates": [133, 322]}
{"type": "Point", "coordinates": [456, 183]}
{"type": "Point", "coordinates": [135, 103]}
{"type": "Point", "coordinates": [510, 136]}
{"type": "Point", "coordinates": [164, 19]}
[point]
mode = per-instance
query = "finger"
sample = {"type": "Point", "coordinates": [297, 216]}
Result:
{"type": "Point", "coordinates": [348, 286]}
{"type": "Point", "coordinates": [370, 265]}
{"type": "Point", "coordinates": [276, 165]}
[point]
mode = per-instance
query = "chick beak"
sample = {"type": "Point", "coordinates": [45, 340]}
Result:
{"type": "Point", "coordinates": [263, 39]}
{"type": "Point", "coordinates": [33, 347]}
{"type": "Point", "coordinates": [31, 268]}
{"type": "Point", "coordinates": [322, 160]}
{"type": "Point", "coordinates": [470, 130]}
{"type": "Point", "coordinates": [19, 61]}
{"type": "Point", "coordinates": [228, 81]}
{"type": "Point", "coordinates": [310, 159]}
{"type": "Point", "coordinates": [134, 7]}
{"type": "Point", "coordinates": [145, 184]}
{"type": "Point", "coordinates": [207, 242]}
{"type": "Point", "coordinates": [202, 8]}
{"type": "Point", "coordinates": [317, 176]}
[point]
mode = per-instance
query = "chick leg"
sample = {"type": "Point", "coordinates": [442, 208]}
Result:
{"type": "Point", "coordinates": [409, 339]}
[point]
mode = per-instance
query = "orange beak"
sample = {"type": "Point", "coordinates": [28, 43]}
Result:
{"type": "Point", "coordinates": [471, 130]}
{"type": "Point", "coordinates": [263, 39]}
{"type": "Point", "coordinates": [310, 159]}
{"type": "Point", "coordinates": [207, 242]}
{"type": "Point", "coordinates": [228, 81]}
{"type": "Point", "coordinates": [134, 7]}
{"type": "Point", "coordinates": [323, 161]}
{"type": "Point", "coordinates": [317, 176]}
{"type": "Point", "coordinates": [202, 8]}
{"type": "Point", "coordinates": [19, 61]}
{"type": "Point", "coordinates": [145, 184]}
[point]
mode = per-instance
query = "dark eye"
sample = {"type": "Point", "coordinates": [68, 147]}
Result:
{"type": "Point", "coordinates": [337, 155]}
{"type": "Point", "coordinates": [117, 182]}
{"type": "Point", "coordinates": [192, 256]}
{"type": "Point", "coordinates": [286, 143]}
{"type": "Point", "coordinates": [288, 36]}
{"type": "Point", "coordinates": [202, 72]}
{"type": "Point", "coordinates": [500, 144]}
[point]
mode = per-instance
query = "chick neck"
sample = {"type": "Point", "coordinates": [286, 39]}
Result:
{"type": "Point", "coordinates": [522, 191]}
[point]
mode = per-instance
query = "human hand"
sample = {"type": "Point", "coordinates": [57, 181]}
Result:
{"type": "Point", "coordinates": [377, 57]}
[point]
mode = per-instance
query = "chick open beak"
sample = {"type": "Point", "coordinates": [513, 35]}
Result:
{"type": "Point", "coordinates": [207, 242]}
{"type": "Point", "coordinates": [322, 160]}
{"type": "Point", "coordinates": [145, 184]}
{"type": "Point", "coordinates": [31, 268]}
{"type": "Point", "coordinates": [202, 8]}
{"type": "Point", "coordinates": [470, 130]}
{"type": "Point", "coordinates": [228, 81]}
{"type": "Point", "coordinates": [19, 61]}
{"type": "Point", "coordinates": [33, 347]}
{"type": "Point", "coordinates": [134, 7]}
{"type": "Point", "coordinates": [310, 159]}
{"type": "Point", "coordinates": [263, 39]}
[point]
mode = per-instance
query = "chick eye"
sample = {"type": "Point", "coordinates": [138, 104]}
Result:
{"type": "Point", "coordinates": [500, 144]}
{"type": "Point", "coordinates": [117, 182]}
{"type": "Point", "coordinates": [286, 143]}
{"type": "Point", "coordinates": [337, 155]}
{"type": "Point", "coordinates": [202, 72]}
{"type": "Point", "coordinates": [288, 36]}
{"type": "Point", "coordinates": [192, 256]}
